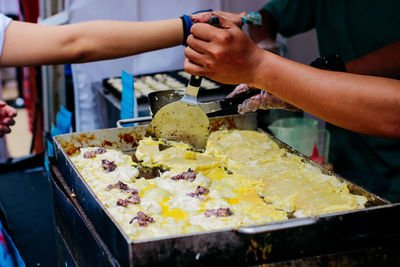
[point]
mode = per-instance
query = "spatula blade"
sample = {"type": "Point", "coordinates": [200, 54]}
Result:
{"type": "Point", "coordinates": [180, 121]}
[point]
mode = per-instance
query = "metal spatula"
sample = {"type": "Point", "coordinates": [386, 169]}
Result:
{"type": "Point", "coordinates": [184, 120]}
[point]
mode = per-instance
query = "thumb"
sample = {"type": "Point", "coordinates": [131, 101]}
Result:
{"type": "Point", "coordinates": [201, 17]}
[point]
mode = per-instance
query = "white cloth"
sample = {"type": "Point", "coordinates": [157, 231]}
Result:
{"type": "Point", "coordinates": [4, 21]}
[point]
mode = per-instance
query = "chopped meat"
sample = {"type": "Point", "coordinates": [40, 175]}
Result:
{"type": "Point", "coordinates": [132, 191]}
{"type": "Point", "coordinates": [221, 212]}
{"type": "Point", "coordinates": [143, 219]}
{"type": "Point", "coordinates": [201, 190]}
{"type": "Point", "coordinates": [108, 166]}
{"type": "Point", "coordinates": [199, 193]}
{"type": "Point", "coordinates": [89, 154]}
{"type": "Point", "coordinates": [192, 195]}
{"type": "Point", "coordinates": [209, 213]}
{"type": "Point", "coordinates": [109, 187]}
{"type": "Point", "coordinates": [122, 202]}
{"type": "Point", "coordinates": [132, 199]}
{"type": "Point", "coordinates": [224, 212]}
{"type": "Point", "coordinates": [123, 187]}
{"type": "Point", "coordinates": [101, 150]}
{"type": "Point", "coordinates": [119, 185]}
{"type": "Point", "coordinates": [190, 175]}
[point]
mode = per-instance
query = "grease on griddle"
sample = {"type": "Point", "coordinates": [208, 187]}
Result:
{"type": "Point", "coordinates": [163, 146]}
{"type": "Point", "coordinates": [106, 143]}
{"type": "Point", "coordinates": [147, 172]}
{"type": "Point", "coordinates": [150, 173]}
{"type": "Point", "coordinates": [228, 171]}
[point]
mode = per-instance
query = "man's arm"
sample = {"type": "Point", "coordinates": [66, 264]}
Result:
{"type": "Point", "coordinates": [365, 104]}
{"type": "Point", "coordinates": [33, 44]}
{"type": "Point", "coordinates": [384, 62]}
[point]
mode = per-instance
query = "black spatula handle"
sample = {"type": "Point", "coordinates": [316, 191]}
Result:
{"type": "Point", "coordinates": [195, 81]}
{"type": "Point", "coordinates": [238, 99]}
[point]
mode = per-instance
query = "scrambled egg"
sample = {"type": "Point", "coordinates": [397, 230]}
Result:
{"type": "Point", "coordinates": [243, 171]}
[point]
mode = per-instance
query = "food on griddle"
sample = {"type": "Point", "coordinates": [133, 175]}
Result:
{"type": "Point", "coordinates": [150, 173]}
{"type": "Point", "coordinates": [243, 178]}
{"type": "Point", "coordinates": [108, 165]}
{"type": "Point", "coordinates": [92, 153]}
{"type": "Point", "coordinates": [200, 193]}
{"type": "Point", "coordinates": [89, 154]}
{"type": "Point", "coordinates": [142, 219]}
{"type": "Point", "coordinates": [132, 199]}
{"type": "Point", "coordinates": [221, 212]}
{"type": "Point", "coordinates": [123, 187]}
{"type": "Point", "coordinates": [190, 175]}
{"type": "Point", "coordinates": [100, 150]}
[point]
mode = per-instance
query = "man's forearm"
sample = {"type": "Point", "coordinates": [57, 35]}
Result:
{"type": "Point", "coordinates": [365, 104]}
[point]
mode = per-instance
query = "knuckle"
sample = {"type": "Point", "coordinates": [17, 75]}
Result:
{"type": "Point", "coordinates": [225, 37]}
{"type": "Point", "coordinates": [210, 64]}
{"type": "Point", "coordinates": [218, 53]}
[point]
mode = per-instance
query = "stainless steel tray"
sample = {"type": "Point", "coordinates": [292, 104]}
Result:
{"type": "Point", "coordinates": [251, 245]}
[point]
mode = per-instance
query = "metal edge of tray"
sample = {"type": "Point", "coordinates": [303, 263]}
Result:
{"type": "Point", "coordinates": [111, 229]}
{"type": "Point", "coordinates": [325, 234]}
{"type": "Point", "coordinates": [76, 232]}
{"type": "Point", "coordinates": [97, 213]}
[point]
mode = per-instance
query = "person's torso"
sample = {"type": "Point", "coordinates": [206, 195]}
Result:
{"type": "Point", "coordinates": [354, 28]}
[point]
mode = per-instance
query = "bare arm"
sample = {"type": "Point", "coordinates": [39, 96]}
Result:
{"type": "Point", "coordinates": [360, 103]}
{"type": "Point", "coordinates": [33, 44]}
{"type": "Point", "coordinates": [365, 104]}
{"type": "Point", "coordinates": [384, 62]}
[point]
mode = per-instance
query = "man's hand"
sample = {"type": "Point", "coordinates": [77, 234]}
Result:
{"type": "Point", "coordinates": [7, 114]}
{"type": "Point", "coordinates": [236, 18]}
{"type": "Point", "coordinates": [223, 54]}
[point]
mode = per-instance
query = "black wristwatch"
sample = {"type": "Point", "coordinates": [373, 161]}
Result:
{"type": "Point", "coordinates": [331, 62]}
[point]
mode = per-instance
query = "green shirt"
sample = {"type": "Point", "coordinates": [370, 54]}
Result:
{"type": "Point", "coordinates": [352, 29]}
